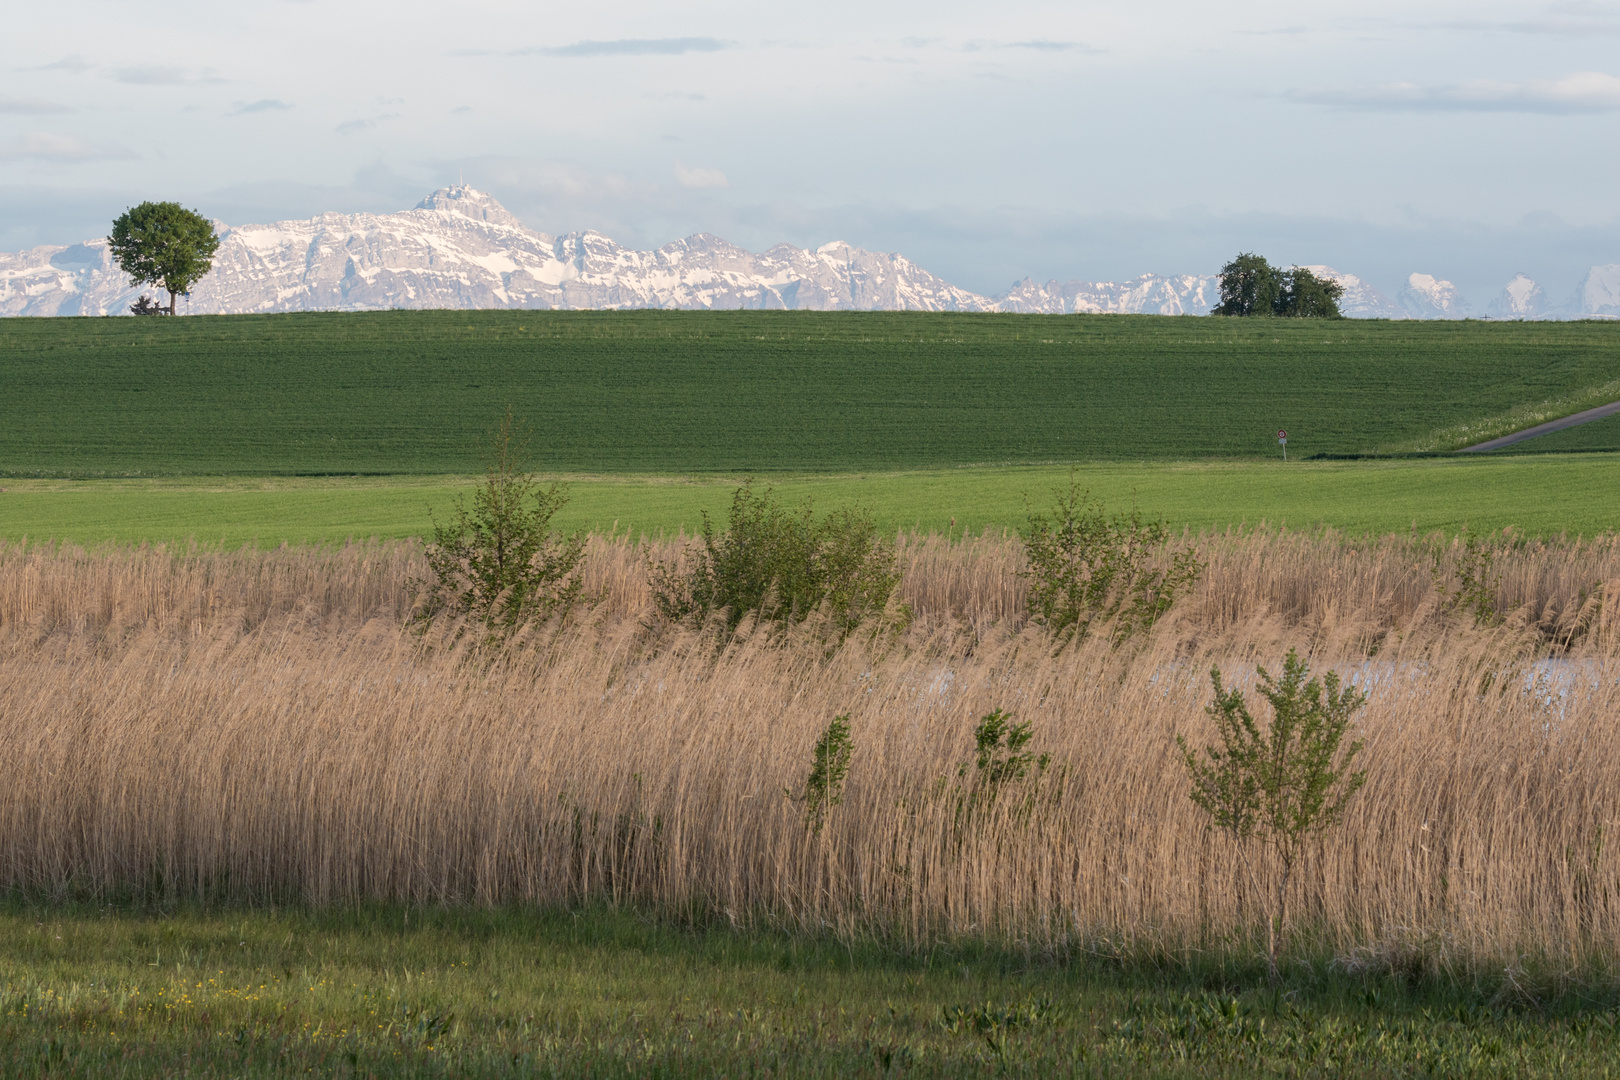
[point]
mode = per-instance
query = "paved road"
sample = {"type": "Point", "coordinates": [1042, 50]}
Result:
{"type": "Point", "coordinates": [1548, 428]}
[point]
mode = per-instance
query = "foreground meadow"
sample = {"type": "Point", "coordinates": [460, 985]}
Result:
{"type": "Point", "coordinates": [143, 991]}
{"type": "Point", "coordinates": [259, 730]}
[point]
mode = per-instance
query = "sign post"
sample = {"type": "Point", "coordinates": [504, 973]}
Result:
{"type": "Point", "coordinates": [1282, 441]}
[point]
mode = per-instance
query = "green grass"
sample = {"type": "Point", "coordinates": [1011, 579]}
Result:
{"type": "Point", "coordinates": [673, 392]}
{"type": "Point", "coordinates": [1538, 495]}
{"type": "Point", "coordinates": [118, 991]}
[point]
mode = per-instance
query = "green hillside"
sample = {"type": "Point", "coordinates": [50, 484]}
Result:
{"type": "Point", "coordinates": [673, 392]}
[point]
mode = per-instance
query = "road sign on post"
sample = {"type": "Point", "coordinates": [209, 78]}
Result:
{"type": "Point", "coordinates": [1282, 441]}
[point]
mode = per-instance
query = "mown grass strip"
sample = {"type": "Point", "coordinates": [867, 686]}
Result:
{"type": "Point", "coordinates": [1539, 495]}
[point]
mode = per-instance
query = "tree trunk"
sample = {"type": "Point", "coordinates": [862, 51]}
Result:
{"type": "Point", "coordinates": [1274, 938]}
{"type": "Point", "coordinates": [172, 295]}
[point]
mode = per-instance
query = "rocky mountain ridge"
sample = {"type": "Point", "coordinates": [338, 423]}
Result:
{"type": "Point", "coordinates": [460, 248]}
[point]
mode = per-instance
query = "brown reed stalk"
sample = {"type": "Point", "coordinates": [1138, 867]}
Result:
{"type": "Point", "coordinates": [258, 725]}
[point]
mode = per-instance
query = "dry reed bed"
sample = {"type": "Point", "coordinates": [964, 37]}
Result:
{"type": "Point", "coordinates": [257, 725]}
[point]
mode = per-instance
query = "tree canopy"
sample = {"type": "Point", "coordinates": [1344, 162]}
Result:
{"type": "Point", "coordinates": [1252, 286]}
{"type": "Point", "coordinates": [164, 244]}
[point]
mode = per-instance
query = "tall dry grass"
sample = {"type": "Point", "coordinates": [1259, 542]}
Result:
{"type": "Point", "coordinates": [258, 725]}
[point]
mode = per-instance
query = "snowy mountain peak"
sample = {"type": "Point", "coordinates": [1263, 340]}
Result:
{"type": "Point", "coordinates": [470, 203]}
{"type": "Point", "coordinates": [1152, 294]}
{"type": "Point", "coordinates": [1359, 299]}
{"type": "Point", "coordinates": [1429, 297]}
{"type": "Point", "coordinates": [1599, 294]}
{"type": "Point", "coordinates": [1520, 298]}
{"type": "Point", "coordinates": [460, 248]}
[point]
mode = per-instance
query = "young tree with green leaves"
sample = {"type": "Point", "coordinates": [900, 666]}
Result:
{"type": "Point", "coordinates": [500, 562]}
{"type": "Point", "coordinates": [1284, 784]}
{"type": "Point", "coordinates": [824, 787]}
{"type": "Point", "coordinates": [1085, 567]}
{"type": "Point", "coordinates": [164, 244]}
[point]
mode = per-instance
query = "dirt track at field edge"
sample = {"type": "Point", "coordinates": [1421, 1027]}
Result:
{"type": "Point", "coordinates": [1573, 420]}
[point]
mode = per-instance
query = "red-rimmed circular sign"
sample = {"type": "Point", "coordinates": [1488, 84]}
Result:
{"type": "Point", "coordinates": [1282, 434]}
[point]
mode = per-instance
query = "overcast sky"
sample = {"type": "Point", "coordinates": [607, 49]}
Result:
{"type": "Point", "coordinates": [986, 142]}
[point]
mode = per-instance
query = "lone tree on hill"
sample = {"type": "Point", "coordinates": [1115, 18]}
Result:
{"type": "Point", "coordinates": [164, 244]}
{"type": "Point", "coordinates": [1252, 286]}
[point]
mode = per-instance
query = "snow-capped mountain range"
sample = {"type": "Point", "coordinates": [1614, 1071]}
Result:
{"type": "Point", "coordinates": [460, 248]}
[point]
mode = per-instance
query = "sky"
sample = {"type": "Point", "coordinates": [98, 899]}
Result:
{"type": "Point", "coordinates": [986, 142]}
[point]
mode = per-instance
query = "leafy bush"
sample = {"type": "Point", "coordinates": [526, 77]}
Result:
{"type": "Point", "coordinates": [1471, 583]}
{"type": "Point", "coordinates": [1001, 763]}
{"type": "Point", "coordinates": [1282, 785]}
{"type": "Point", "coordinates": [1086, 567]}
{"type": "Point", "coordinates": [500, 563]}
{"type": "Point", "coordinates": [782, 566]}
{"type": "Point", "coordinates": [824, 787]}
{"type": "Point", "coordinates": [1001, 755]}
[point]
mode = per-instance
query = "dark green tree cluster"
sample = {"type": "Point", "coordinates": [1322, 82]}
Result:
{"type": "Point", "coordinates": [1252, 286]}
{"type": "Point", "coordinates": [163, 244]}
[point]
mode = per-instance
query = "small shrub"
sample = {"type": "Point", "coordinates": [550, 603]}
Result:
{"type": "Point", "coordinates": [824, 787]}
{"type": "Point", "coordinates": [782, 566]}
{"type": "Point", "coordinates": [1284, 784]}
{"type": "Point", "coordinates": [1000, 763]}
{"type": "Point", "coordinates": [1086, 567]}
{"type": "Point", "coordinates": [500, 563]}
{"type": "Point", "coordinates": [1472, 582]}
{"type": "Point", "coordinates": [1001, 755]}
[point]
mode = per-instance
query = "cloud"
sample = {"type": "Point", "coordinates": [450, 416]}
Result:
{"type": "Point", "coordinates": [1582, 92]}
{"type": "Point", "coordinates": [1051, 46]}
{"type": "Point", "coordinates": [31, 106]}
{"type": "Point", "coordinates": [161, 75]}
{"type": "Point", "coordinates": [1570, 19]}
{"type": "Point", "coordinates": [263, 105]}
{"type": "Point", "coordinates": [349, 127]}
{"type": "Point", "coordinates": [1036, 45]}
{"type": "Point", "coordinates": [631, 47]}
{"type": "Point", "coordinates": [1548, 27]}
{"type": "Point", "coordinates": [68, 63]}
{"type": "Point", "coordinates": [150, 75]}
{"type": "Point", "coordinates": [46, 146]}
{"type": "Point", "coordinates": [700, 178]}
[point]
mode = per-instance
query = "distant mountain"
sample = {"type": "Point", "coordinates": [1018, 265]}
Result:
{"type": "Point", "coordinates": [1596, 297]}
{"type": "Point", "coordinates": [460, 248]}
{"type": "Point", "coordinates": [1599, 293]}
{"type": "Point", "coordinates": [1520, 298]}
{"type": "Point", "coordinates": [1360, 300]}
{"type": "Point", "coordinates": [1428, 297]}
{"type": "Point", "coordinates": [1188, 294]}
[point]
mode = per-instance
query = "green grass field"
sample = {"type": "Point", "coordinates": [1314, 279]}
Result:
{"type": "Point", "coordinates": [677, 392]}
{"type": "Point", "coordinates": [1538, 495]}
{"type": "Point", "coordinates": [114, 991]}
